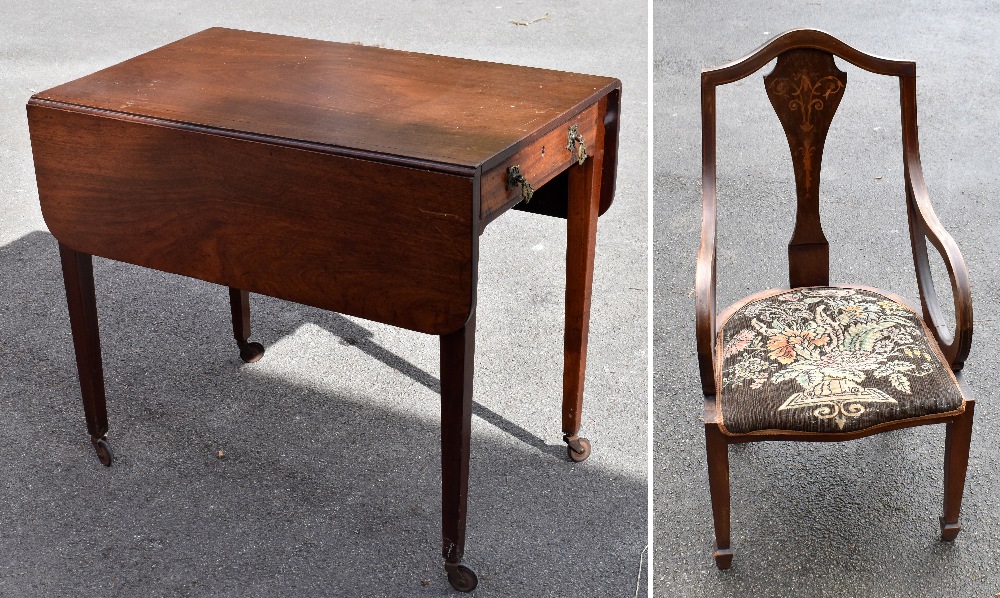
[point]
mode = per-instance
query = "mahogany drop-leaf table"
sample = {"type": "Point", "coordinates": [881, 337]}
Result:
{"type": "Point", "coordinates": [349, 178]}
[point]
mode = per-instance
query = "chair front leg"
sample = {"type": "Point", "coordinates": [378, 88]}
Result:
{"type": "Point", "coordinates": [717, 448]}
{"type": "Point", "coordinates": [958, 437]}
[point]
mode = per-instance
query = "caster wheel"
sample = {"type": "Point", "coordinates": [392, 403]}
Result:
{"type": "Point", "coordinates": [578, 449]}
{"type": "Point", "coordinates": [251, 352]}
{"type": "Point", "coordinates": [103, 449]}
{"type": "Point", "coordinates": [462, 578]}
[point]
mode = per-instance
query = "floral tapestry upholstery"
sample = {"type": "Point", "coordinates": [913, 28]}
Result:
{"type": "Point", "coordinates": [828, 360]}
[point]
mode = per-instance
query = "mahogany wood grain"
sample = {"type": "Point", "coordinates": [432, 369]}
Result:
{"type": "Point", "coordinates": [806, 56]}
{"type": "Point", "coordinates": [805, 89]}
{"type": "Point", "coordinates": [539, 162]}
{"type": "Point", "coordinates": [550, 199]}
{"type": "Point", "coordinates": [433, 109]}
{"type": "Point", "coordinates": [323, 230]}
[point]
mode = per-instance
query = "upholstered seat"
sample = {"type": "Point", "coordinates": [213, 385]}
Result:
{"type": "Point", "coordinates": [828, 360]}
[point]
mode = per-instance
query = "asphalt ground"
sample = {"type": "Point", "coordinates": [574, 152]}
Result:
{"type": "Point", "coordinates": [328, 482]}
{"type": "Point", "coordinates": [812, 519]}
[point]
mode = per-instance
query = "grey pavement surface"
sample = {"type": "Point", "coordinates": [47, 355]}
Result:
{"type": "Point", "coordinates": [811, 519]}
{"type": "Point", "coordinates": [329, 482]}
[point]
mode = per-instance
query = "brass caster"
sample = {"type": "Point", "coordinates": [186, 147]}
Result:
{"type": "Point", "coordinates": [251, 352]}
{"type": "Point", "coordinates": [461, 577]}
{"type": "Point", "coordinates": [577, 448]}
{"type": "Point", "coordinates": [103, 449]}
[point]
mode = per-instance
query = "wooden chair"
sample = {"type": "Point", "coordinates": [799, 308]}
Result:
{"type": "Point", "coordinates": [816, 362]}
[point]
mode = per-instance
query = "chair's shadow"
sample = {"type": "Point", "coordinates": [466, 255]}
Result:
{"type": "Point", "coordinates": [316, 491]}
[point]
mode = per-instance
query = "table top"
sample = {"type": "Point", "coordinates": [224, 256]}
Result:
{"type": "Point", "coordinates": [367, 100]}
{"type": "Point", "coordinates": [189, 159]}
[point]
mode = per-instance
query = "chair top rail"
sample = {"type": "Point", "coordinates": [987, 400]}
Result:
{"type": "Point", "coordinates": [804, 38]}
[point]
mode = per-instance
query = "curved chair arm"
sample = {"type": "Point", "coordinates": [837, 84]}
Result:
{"type": "Point", "coordinates": [955, 344]}
{"type": "Point", "coordinates": [924, 224]}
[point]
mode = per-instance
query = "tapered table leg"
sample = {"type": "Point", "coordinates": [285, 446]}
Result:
{"type": "Point", "coordinates": [457, 352]}
{"type": "Point", "coordinates": [78, 275]}
{"type": "Point", "coordinates": [239, 302]}
{"type": "Point", "coordinates": [583, 203]}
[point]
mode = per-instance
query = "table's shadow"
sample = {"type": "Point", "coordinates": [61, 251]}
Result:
{"type": "Point", "coordinates": [317, 491]}
{"type": "Point", "coordinates": [360, 337]}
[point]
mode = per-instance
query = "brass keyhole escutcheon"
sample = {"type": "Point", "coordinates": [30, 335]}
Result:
{"type": "Point", "coordinates": [576, 146]}
{"type": "Point", "coordinates": [515, 178]}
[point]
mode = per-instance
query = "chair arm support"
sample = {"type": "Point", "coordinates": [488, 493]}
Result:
{"type": "Point", "coordinates": [704, 285]}
{"type": "Point", "coordinates": [924, 224]}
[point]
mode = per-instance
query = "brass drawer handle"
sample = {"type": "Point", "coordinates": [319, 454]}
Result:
{"type": "Point", "coordinates": [576, 139]}
{"type": "Point", "coordinates": [515, 178]}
